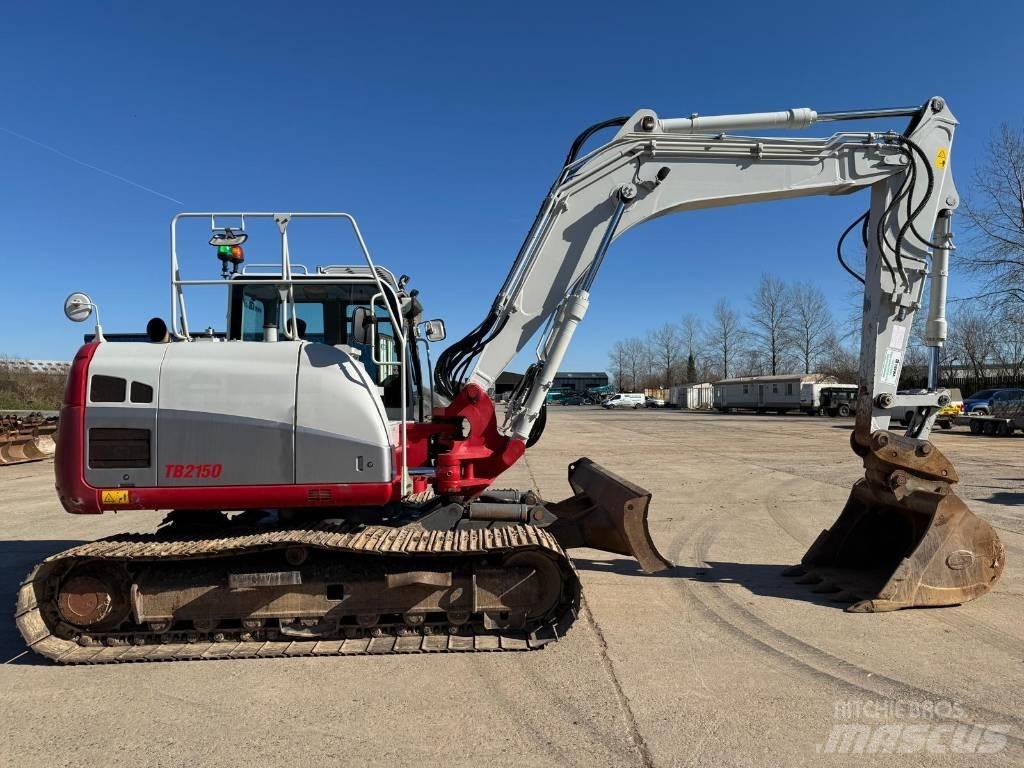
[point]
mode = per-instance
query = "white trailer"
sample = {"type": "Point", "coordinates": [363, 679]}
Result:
{"type": "Point", "coordinates": [692, 396]}
{"type": "Point", "coordinates": [781, 393]}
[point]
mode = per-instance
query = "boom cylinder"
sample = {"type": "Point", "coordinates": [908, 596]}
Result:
{"type": "Point", "coordinates": [789, 118]}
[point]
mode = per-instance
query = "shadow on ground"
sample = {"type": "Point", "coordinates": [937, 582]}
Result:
{"type": "Point", "coordinates": [16, 560]}
{"type": "Point", "coordinates": [1008, 498]}
{"type": "Point", "coordinates": [763, 579]}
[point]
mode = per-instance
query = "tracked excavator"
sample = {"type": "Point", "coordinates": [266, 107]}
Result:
{"type": "Point", "coordinates": [325, 499]}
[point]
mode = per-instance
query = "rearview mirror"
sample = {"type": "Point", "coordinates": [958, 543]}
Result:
{"type": "Point", "coordinates": [434, 330]}
{"type": "Point", "coordinates": [361, 322]}
{"type": "Point", "coordinates": [78, 307]}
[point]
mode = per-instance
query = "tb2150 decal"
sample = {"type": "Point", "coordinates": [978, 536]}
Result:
{"type": "Point", "coordinates": [200, 471]}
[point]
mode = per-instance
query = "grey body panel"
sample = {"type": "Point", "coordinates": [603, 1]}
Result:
{"type": "Point", "coordinates": [341, 429]}
{"type": "Point", "coordinates": [249, 451]}
{"type": "Point", "coordinates": [231, 404]}
{"type": "Point", "coordinates": [132, 362]}
{"type": "Point", "coordinates": [119, 417]}
{"type": "Point", "coordinates": [262, 414]}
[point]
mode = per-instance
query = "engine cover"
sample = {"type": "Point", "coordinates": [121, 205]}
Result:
{"type": "Point", "coordinates": [232, 414]}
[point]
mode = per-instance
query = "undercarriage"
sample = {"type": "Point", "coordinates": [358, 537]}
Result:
{"type": "Point", "coordinates": [334, 587]}
{"type": "Point", "coordinates": [486, 575]}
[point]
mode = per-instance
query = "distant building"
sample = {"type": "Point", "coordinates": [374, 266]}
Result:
{"type": "Point", "coordinates": [507, 381]}
{"type": "Point", "coordinates": [580, 382]}
{"type": "Point", "coordinates": [53, 367]}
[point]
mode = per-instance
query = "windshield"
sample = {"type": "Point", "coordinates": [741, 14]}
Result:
{"type": "Point", "coordinates": [983, 395]}
{"type": "Point", "coordinates": [324, 314]}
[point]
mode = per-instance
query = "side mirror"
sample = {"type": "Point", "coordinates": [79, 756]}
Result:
{"type": "Point", "coordinates": [361, 322]}
{"type": "Point", "coordinates": [78, 307]}
{"type": "Point", "coordinates": [434, 330]}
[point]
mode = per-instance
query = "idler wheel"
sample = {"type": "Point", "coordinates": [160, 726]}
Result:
{"type": "Point", "coordinates": [93, 598]}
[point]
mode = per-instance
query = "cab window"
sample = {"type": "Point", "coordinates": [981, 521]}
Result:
{"type": "Point", "coordinates": [325, 314]}
{"type": "Point", "coordinates": [252, 319]}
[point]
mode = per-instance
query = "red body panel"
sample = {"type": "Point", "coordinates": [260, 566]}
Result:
{"type": "Point", "coordinates": [472, 464]}
{"type": "Point", "coordinates": [465, 467]}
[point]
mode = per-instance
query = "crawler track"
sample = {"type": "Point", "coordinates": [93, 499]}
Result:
{"type": "Point", "coordinates": [378, 549]}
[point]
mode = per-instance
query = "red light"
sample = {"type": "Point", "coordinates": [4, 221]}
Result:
{"type": "Point", "coordinates": [236, 254]}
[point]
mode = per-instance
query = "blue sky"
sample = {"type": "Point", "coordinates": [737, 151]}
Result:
{"type": "Point", "coordinates": [440, 127]}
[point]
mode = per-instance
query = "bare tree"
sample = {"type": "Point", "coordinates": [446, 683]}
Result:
{"type": "Point", "coordinates": [995, 211]}
{"type": "Point", "coordinates": [972, 340]}
{"type": "Point", "coordinates": [618, 363]}
{"type": "Point", "coordinates": [841, 361]}
{"type": "Point", "coordinates": [915, 367]}
{"type": "Point", "coordinates": [692, 330]}
{"type": "Point", "coordinates": [811, 325]}
{"type": "Point", "coordinates": [636, 362]}
{"type": "Point", "coordinates": [771, 317]}
{"type": "Point", "coordinates": [724, 335]}
{"type": "Point", "coordinates": [648, 366]}
{"type": "Point", "coordinates": [1009, 341]}
{"type": "Point", "coordinates": [667, 351]}
{"type": "Point", "coordinates": [751, 363]}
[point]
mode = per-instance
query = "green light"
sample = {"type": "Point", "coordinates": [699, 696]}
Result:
{"type": "Point", "coordinates": [223, 250]}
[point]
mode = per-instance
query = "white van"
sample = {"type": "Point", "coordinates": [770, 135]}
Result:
{"type": "Point", "coordinates": [625, 400]}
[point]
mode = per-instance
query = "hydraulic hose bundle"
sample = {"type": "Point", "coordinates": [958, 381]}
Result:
{"type": "Point", "coordinates": [906, 192]}
{"type": "Point", "coordinates": [453, 365]}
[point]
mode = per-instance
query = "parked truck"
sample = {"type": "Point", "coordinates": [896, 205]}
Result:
{"type": "Point", "coordinates": [1006, 415]}
{"type": "Point", "coordinates": [837, 400]}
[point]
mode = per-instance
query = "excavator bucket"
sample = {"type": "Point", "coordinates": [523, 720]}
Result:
{"type": "Point", "coordinates": [607, 513]}
{"type": "Point", "coordinates": [904, 538]}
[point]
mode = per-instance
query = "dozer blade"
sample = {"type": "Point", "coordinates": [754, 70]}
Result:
{"type": "Point", "coordinates": [13, 451]}
{"type": "Point", "coordinates": [904, 539]}
{"type": "Point", "coordinates": [607, 513]}
{"type": "Point", "coordinates": [41, 447]}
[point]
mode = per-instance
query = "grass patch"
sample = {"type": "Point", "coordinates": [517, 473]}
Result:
{"type": "Point", "coordinates": [23, 390]}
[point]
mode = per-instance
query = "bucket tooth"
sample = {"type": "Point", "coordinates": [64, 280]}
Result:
{"type": "Point", "coordinates": [904, 538]}
{"type": "Point", "coordinates": [608, 513]}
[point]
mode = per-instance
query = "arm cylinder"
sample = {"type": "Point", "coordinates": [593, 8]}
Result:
{"type": "Point", "coordinates": [935, 330]}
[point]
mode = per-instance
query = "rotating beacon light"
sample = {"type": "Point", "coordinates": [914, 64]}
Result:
{"type": "Point", "coordinates": [229, 249]}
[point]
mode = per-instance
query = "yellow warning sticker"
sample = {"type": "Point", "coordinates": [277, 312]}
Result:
{"type": "Point", "coordinates": [941, 157]}
{"type": "Point", "coordinates": [114, 497]}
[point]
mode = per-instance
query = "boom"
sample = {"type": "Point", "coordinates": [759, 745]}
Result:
{"type": "Point", "coordinates": [653, 167]}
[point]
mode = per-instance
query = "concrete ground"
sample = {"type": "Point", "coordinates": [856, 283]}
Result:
{"type": "Point", "coordinates": [719, 662]}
